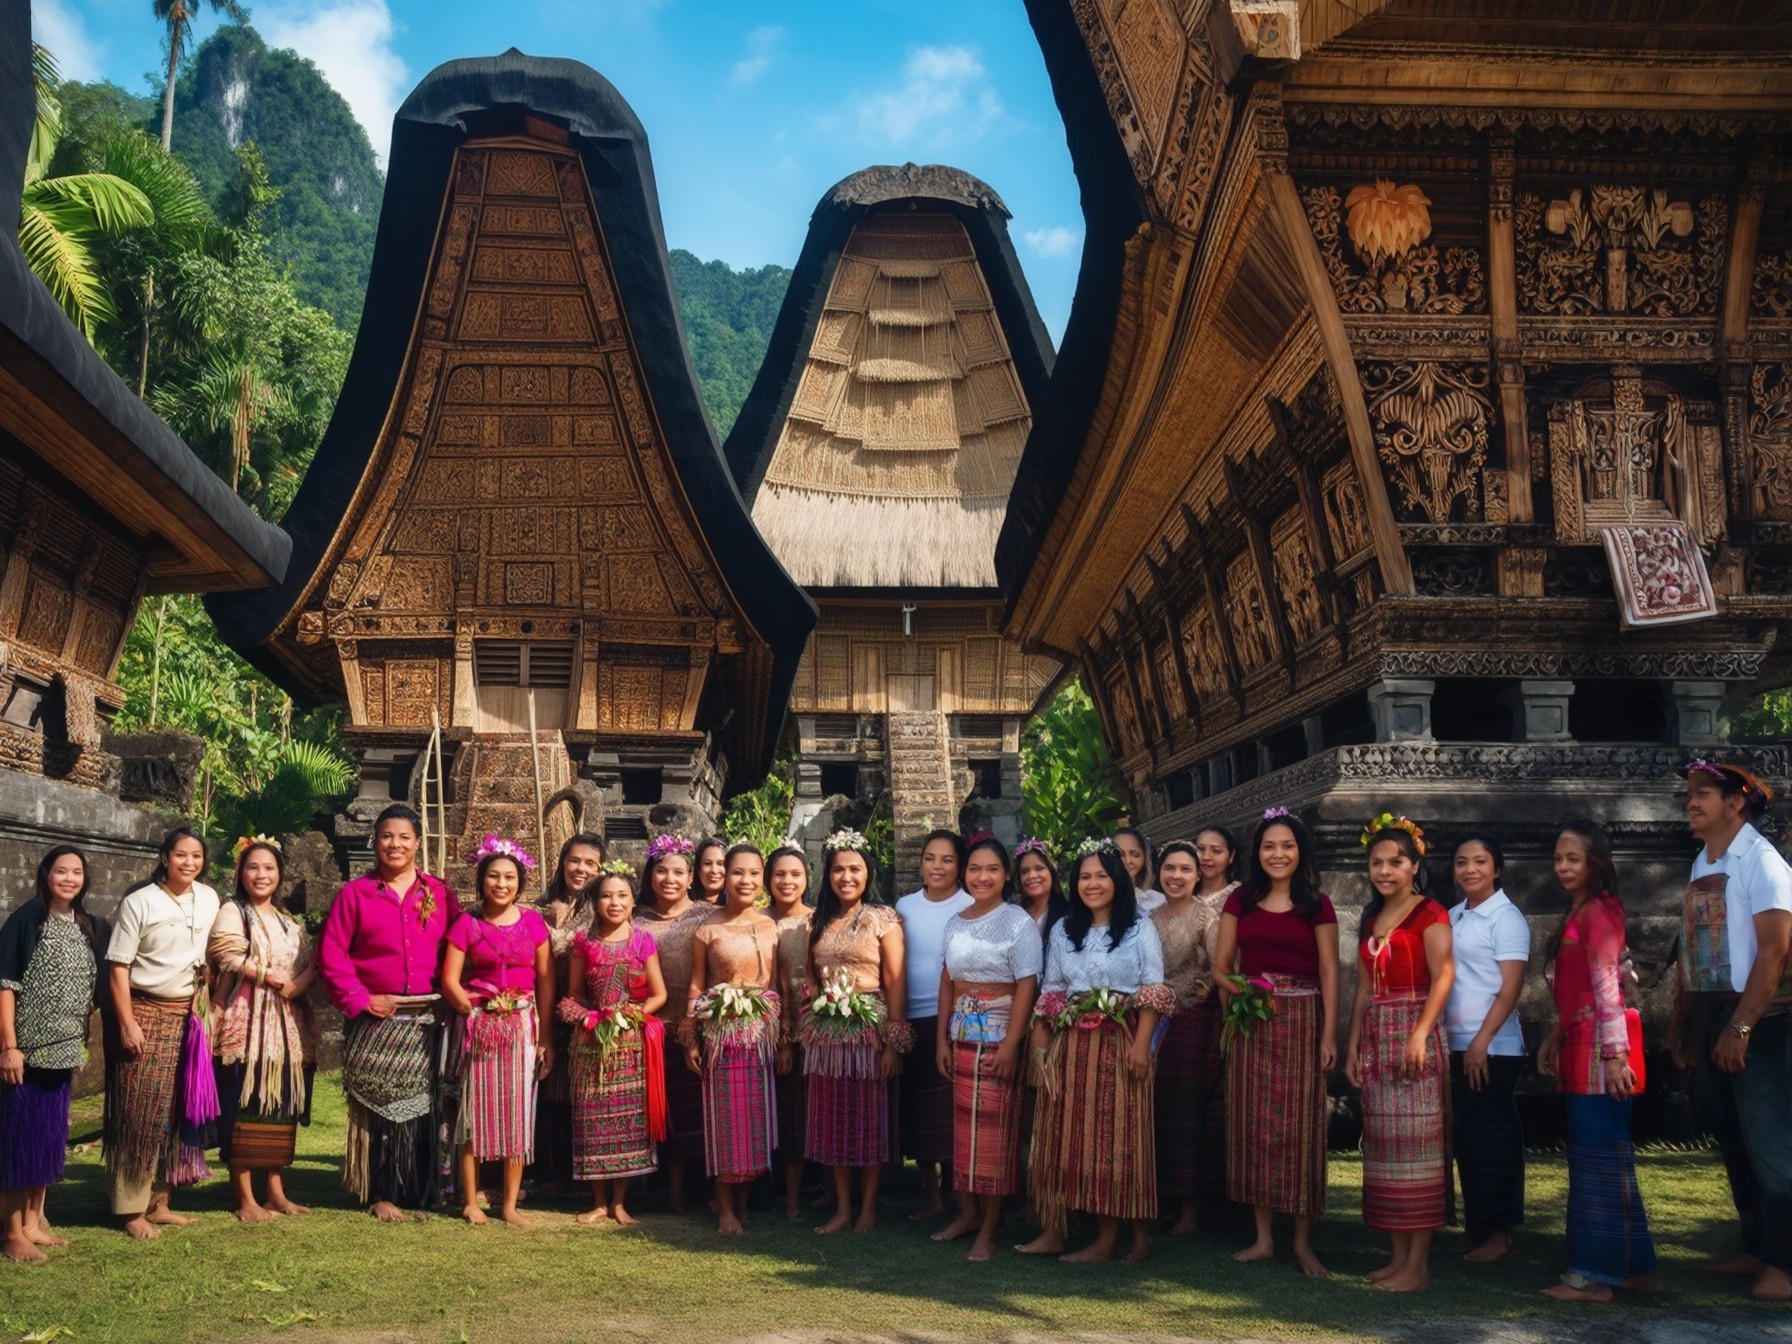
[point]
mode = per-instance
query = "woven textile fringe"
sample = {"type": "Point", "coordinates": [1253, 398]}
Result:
{"type": "Point", "coordinates": [1406, 1123]}
{"type": "Point", "coordinates": [1275, 1107]}
{"type": "Point", "coordinates": [833, 540]}
{"type": "Point", "coordinates": [497, 1103]}
{"type": "Point", "coordinates": [142, 1138]}
{"type": "Point", "coordinates": [34, 1128]}
{"type": "Point", "coordinates": [740, 1107]}
{"type": "Point", "coordinates": [388, 1072]}
{"type": "Point", "coordinates": [1094, 1146]}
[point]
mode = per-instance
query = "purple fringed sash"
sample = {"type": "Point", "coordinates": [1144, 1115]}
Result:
{"type": "Point", "coordinates": [196, 1093]}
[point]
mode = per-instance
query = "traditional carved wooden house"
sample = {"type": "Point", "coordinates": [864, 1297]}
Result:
{"type": "Point", "coordinates": [100, 503]}
{"type": "Point", "coordinates": [520, 501]}
{"type": "Point", "coordinates": [877, 448]}
{"type": "Point", "coordinates": [1420, 435]}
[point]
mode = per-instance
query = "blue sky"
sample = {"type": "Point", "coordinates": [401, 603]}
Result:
{"type": "Point", "coordinates": [753, 108]}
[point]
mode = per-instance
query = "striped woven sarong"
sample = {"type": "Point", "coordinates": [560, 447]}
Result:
{"type": "Point", "coordinates": [1093, 1143]}
{"type": "Point", "coordinates": [986, 1109]}
{"type": "Point", "coordinates": [497, 1098]}
{"type": "Point", "coordinates": [1275, 1107]}
{"type": "Point", "coordinates": [1406, 1122]}
{"type": "Point", "coordinates": [389, 1073]}
{"type": "Point", "coordinates": [1608, 1230]}
{"type": "Point", "coordinates": [142, 1131]}
{"type": "Point", "coordinates": [740, 1118]}
{"type": "Point", "coordinates": [1191, 1106]}
{"type": "Point", "coordinates": [609, 1108]}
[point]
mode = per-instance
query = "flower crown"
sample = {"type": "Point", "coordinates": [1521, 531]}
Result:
{"type": "Point", "coordinates": [496, 846]}
{"type": "Point", "coordinates": [978, 837]}
{"type": "Point", "coordinates": [618, 868]}
{"type": "Point", "coordinates": [1277, 814]}
{"type": "Point", "coordinates": [841, 841]}
{"type": "Point", "coordinates": [1032, 846]}
{"type": "Point", "coordinates": [244, 843]}
{"type": "Point", "coordinates": [662, 845]}
{"type": "Point", "coordinates": [1096, 844]}
{"type": "Point", "coordinates": [1753, 788]}
{"type": "Point", "coordinates": [1387, 821]}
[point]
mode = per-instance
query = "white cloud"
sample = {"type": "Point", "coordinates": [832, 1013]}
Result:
{"type": "Point", "coordinates": [944, 94]}
{"type": "Point", "coordinates": [1055, 241]}
{"type": "Point", "coordinates": [351, 42]}
{"type": "Point", "coordinates": [762, 45]}
{"type": "Point", "coordinates": [65, 33]}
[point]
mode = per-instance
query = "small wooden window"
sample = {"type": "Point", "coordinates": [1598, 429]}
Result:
{"type": "Point", "coordinates": [503, 662]}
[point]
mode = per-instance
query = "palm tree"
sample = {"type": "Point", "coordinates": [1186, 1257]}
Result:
{"type": "Point", "coordinates": [61, 218]}
{"type": "Point", "coordinates": [178, 15]}
{"type": "Point", "coordinates": [228, 391]}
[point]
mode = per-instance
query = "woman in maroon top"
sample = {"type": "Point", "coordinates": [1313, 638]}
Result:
{"type": "Point", "coordinates": [1398, 1054]}
{"type": "Point", "coordinates": [1279, 927]}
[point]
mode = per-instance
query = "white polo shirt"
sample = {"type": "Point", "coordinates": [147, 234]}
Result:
{"type": "Point", "coordinates": [924, 946]}
{"type": "Point", "coordinates": [1756, 879]}
{"type": "Point", "coordinates": [1483, 937]}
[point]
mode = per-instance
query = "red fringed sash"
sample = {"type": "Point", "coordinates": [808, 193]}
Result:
{"type": "Point", "coordinates": [654, 1031]}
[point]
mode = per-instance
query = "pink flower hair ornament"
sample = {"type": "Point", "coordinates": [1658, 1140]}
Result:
{"type": "Point", "coordinates": [1032, 846]}
{"type": "Point", "coordinates": [1277, 814]}
{"type": "Point", "coordinates": [496, 846]}
{"type": "Point", "coordinates": [663, 845]}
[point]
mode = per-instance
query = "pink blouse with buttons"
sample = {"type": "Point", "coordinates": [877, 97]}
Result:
{"type": "Point", "coordinates": [499, 956]}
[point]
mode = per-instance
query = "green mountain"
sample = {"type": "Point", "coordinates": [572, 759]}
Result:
{"type": "Point", "coordinates": [728, 317]}
{"type": "Point", "coordinates": [237, 88]}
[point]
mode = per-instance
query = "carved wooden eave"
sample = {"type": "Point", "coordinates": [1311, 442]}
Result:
{"type": "Point", "coordinates": [519, 453]}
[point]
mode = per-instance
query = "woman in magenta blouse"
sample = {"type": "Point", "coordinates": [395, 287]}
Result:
{"type": "Point", "coordinates": [1280, 929]}
{"type": "Point", "coordinates": [498, 973]}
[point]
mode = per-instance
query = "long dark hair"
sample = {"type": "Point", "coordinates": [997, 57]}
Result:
{"type": "Point", "coordinates": [1603, 867]}
{"type": "Point", "coordinates": [1150, 874]}
{"type": "Point", "coordinates": [83, 920]}
{"type": "Point", "coordinates": [166, 852]}
{"type": "Point", "coordinates": [704, 845]}
{"type": "Point", "coordinates": [996, 847]}
{"type": "Point", "coordinates": [1057, 905]}
{"type": "Point", "coordinates": [556, 888]}
{"type": "Point", "coordinates": [1303, 890]}
{"type": "Point", "coordinates": [827, 904]}
{"type": "Point", "coordinates": [1125, 911]}
{"type": "Point", "coordinates": [1224, 833]}
{"type": "Point", "coordinates": [788, 852]}
{"type": "Point", "coordinates": [240, 894]}
{"type": "Point", "coordinates": [1392, 835]}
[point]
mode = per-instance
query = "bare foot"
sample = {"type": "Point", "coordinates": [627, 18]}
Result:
{"type": "Point", "coordinates": [1096, 1254]}
{"type": "Point", "coordinates": [1309, 1264]}
{"type": "Point", "coordinates": [1140, 1252]}
{"type": "Point", "coordinates": [867, 1220]}
{"type": "Point", "coordinates": [287, 1207]}
{"type": "Point", "coordinates": [516, 1219]}
{"type": "Point", "coordinates": [838, 1223]}
{"type": "Point", "coordinates": [254, 1213]}
{"type": "Point", "coordinates": [1046, 1243]}
{"type": "Point", "coordinates": [387, 1212]}
{"type": "Point", "coordinates": [1773, 1286]}
{"type": "Point", "coordinates": [960, 1226]}
{"type": "Point", "coordinates": [621, 1216]}
{"type": "Point", "coordinates": [730, 1226]}
{"type": "Point", "coordinates": [23, 1251]}
{"type": "Point", "coordinates": [982, 1250]}
{"type": "Point", "coordinates": [1257, 1250]}
{"type": "Point", "coordinates": [1184, 1227]}
{"type": "Point", "coordinates": [1737, 1267]}
{"type": "Point", "coordinates": [141, 1229]}
{"type": "Point", "coordinates": [1387, 1271]}
{"type": "Point", "coordinates": [592, 1217]}
{"type": "Point", "coordinates": [39, 1235]}
{"type": "Point", "coordinates": [164, 1216]}
{"type": "Point", "coordinates": [932, 1209]}
{"type": "Point", "coordinates": [474, 1215]}
{"type": "Point", "coordinates": [1490, 1252]}
{"type": "Point", "coordinates": [1564, 1292]}
{"type": "Point", "coordinates": [1407, 1281]}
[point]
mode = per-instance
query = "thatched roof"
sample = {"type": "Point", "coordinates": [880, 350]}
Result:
{"type": "Point", "coordinates": [882, 437]}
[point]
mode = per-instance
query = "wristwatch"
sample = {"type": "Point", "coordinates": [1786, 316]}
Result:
{"type": "Point", "coordinates": [1740, 1029]}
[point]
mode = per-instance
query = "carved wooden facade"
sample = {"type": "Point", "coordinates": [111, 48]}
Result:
{"type": "Point", "coordinates": [1397, 328]}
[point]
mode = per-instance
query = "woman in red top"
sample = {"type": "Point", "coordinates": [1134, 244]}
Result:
{"type": "Point", "coordinates": [1398, 1054]}
{"type": "Point", "coordinates": [1588, 1051]}
{"type": "Point", "coordinates": [1279, 927]}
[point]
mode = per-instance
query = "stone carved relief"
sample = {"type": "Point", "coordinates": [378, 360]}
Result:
{"type": "Point", "coordinates": [1202, 652]}
{"type": "Point", "coordinates": [1390, 268]}
{"type": "Point", "coordinates": [1620, 249]}
{"type": "Point", "coordinates": [1770, 439]}
{"type": "Point", "coordinates": [1432, 423]}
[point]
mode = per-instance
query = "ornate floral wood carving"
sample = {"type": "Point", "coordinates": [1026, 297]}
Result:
{"type": "Point", "coordinates": [1389, 267]}
{"type": "Point", "coordinates": [1771, 293]}
{"type": "Point", "coordinates": [1770, 440]}
{"type": "Point", "coordinates": [1296, 576]}
{"type": "Point", "coordinates": [1247, 611]}
{"type": "Point", "coordinates": [1432, 423]}
{"type": "Point", "coordinates": [1203, 653]}
{"type": "Point", "coordinates": [1620, 249]}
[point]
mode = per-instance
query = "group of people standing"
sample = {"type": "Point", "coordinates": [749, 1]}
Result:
{"type": "Point", "coordinates": [1118, 1042]}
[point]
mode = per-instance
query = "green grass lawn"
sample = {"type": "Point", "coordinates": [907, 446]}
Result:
{"type": "Point", "coordinates": [337, 1275]}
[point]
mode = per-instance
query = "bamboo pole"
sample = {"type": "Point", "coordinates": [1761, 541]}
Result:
{"type": "Point", "coordinates": [432, 757]}
{"type": "Point", "coordinates": [541, 826]}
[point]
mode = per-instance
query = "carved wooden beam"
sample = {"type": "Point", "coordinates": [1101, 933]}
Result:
{"type": "Point", "coordinates": [1173, 632]}
{"type": "Point", "coordinates": [1312, 512]}
{"type": "Point", "coordinates": [1257, 532]}
{"type": "Point", "coordinates": [1166, 729]}
{"type": "Point", "coordinates": [1390, 555]}
{"type": "Point", "coordinates": [1733, 334]}
{"type": "Point", "coordinates": [1213, 585]}
{"type": "Point", "coordinates": [1098, 694]}
{"type": "Point", "coordinates": [1502, 303]}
